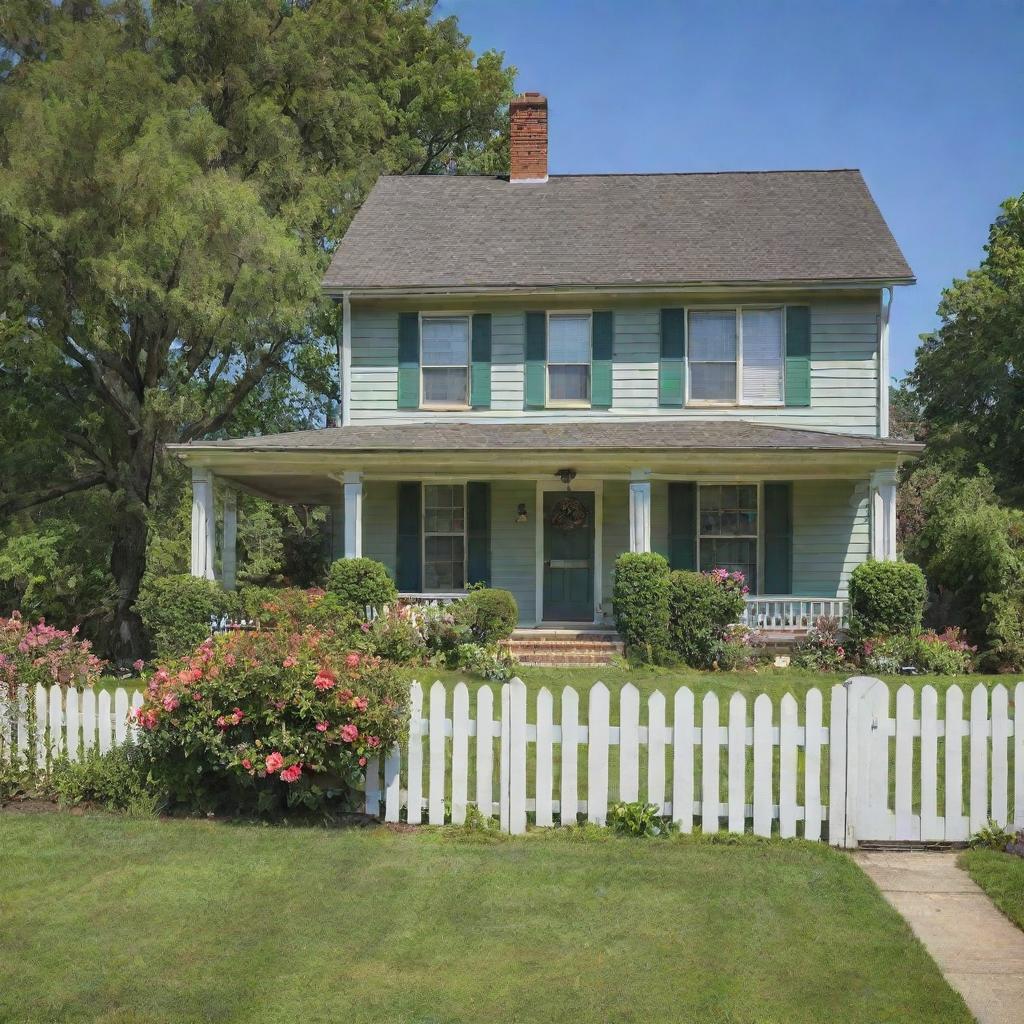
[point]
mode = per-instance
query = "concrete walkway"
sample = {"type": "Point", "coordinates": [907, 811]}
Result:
{"type": "Point", "coordinates": [980, 953]}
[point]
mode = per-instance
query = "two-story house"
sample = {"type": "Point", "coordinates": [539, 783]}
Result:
{"type": "Point", "coordinates": [539, 373]}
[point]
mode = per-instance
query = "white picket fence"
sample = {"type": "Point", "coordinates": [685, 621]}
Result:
{"type": "Point", "coordinates": [737, 764]}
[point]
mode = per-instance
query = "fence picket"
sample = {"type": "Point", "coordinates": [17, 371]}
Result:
{"type": "Point", "coordinates": [656, 750]}
{"type": "Point", "coordinates": [787, 766]}
{"type": "Point", "coordinates": [569, 797]}
{"type": "Point", "coordinates": [393, 784]}
{"type": "Point", "coordinates": [629, 743]}
{"type": "Point", "coordinates": [904, 821]}
{"type": "Point", "coordinates": [763, 765]}
{"type": "Point", "coordinates": [517, 764]}
{"type": "Point", "coordinates": [812, 764]}
{"type": "Point", "coordinates": [682, 759]}
{"type": "Point", "coordinates": [710, 767]}
{"type": "Point", "coordinates": [436, 748]}
{"type": "Point", "coordinates": [55, 719]}
{"type": "Point", "coordinates": [42, 717]}
{"type": "Point", "coordinates": [737, 781]}
{"type": "Point", "coordinates": [8, 728]}
{"type": "Point", "coordinates": [504, 755]}
{"type": "Point", "coordinates": [103, 720]}
{"type": "Point", "coordinates": [1018, 756]}
{"type": "Point", "coordinates": [372, 786]}
{"type": "Point", "coordinates": [978, 809]}
{"type": "Point", "coordinates": [88, 720]}
{"type": "Point", "coordinates": [414, 780]}
{"type": "Point", "coordinates": [597, 755]}
{"type": "Point", "coordinates": [133, 728]}
{"type": "Point", "coordinates": [120, 716]}
{"type": "Point", "coordinates": [875, 797]}
{"type": "Point", "coordinates": [932, 826]}
{"type": "Point", "coordinates": [1000, 735]}
{"type": "Point", "coordinates": [460, 753]}
{"type": "Point", "coordinates": [485, 751]}
{"type": "Point", "coordinates": [545, 756]}
{"type": "Point", "coordinates": [956, 823]}
{"type": "Point", "coordinates": [837, 830]}
{"type": "Point", "coordinates": [22, 721]}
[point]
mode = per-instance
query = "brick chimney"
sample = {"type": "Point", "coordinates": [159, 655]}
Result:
{"type": "Point", "coordinates": [528, 138]}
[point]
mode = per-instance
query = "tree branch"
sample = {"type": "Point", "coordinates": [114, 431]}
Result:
{"type": "Point", "coordinates": [23, 501]}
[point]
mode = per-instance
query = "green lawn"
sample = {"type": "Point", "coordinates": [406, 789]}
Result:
{"type": "Point", "coordinates": [1002, 877]}
{"type": "Point", "coordinates": [105, 919]}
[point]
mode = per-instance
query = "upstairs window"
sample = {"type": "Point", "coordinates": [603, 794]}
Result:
{"type": "Point", "coordinates": [569, 359]}
{"type": "Point", "coordinates": [735, 356]}
{"type": "Point", "coordinates": [444, 360]}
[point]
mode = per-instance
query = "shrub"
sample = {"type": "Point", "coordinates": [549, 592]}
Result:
{"type": "Point", "coordinates": [264, 721]}
{"type": "Point", "coordinates": [886, 598]}
{"type": "Point", "coordinates": [822, 649]}
{"type": "Point", "coordinates": [1005, 632]}
{"type": "Point", "coordinates": [886, 655]}
{"type": "Point", "coordinates": [41, 654]}
{"type": "Point", "coordinates": [641, 604]}
{"type": "Point", "coordinates": [638, 820]}
{"type": "Point", "coordinates": [361, 583]}
{"type": "Point", "coordinates": [294, 608]}
{"type": "Point", "coordinates": [702, 607]}
{"type": "Point", "coordinates": [443, 633]}
{"type": "Point", "coordinates": [394, 635]}
{"type": "Point", "coordinates": [491, 663]}
{"type": "Point", "coordinates": [490, 613]}
{"type": "Point", "coordinates": [116, 780]}
{"type": "Point", "coordinates": [991, 836]}
{"type": "Point", "coordinates": [177, 611]}
{"type": "Point", "coordinates": [944, 654]}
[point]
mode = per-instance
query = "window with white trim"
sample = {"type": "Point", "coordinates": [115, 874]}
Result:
{"type": "Point", "coordinates": [736, 356]}
{"type": "Point", "coordinates": [444, 537]}
{"type": "Point", "coordinates": [444, 360]}
{"type": "Point", "coordinates": [569, 355]}
{"type": "Point", "coordinates": [728, 529]}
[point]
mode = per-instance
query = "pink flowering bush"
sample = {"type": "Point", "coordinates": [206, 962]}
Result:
{"type": "Point", "coordinates": [942, 654]}
{"type": "Point", "coordinates": [38, 653]}
{"type": "Point", "coordinates": [823, 648]}
{"type": "Point", "coordinates": [703, 608]}
{"type": "Point", "coordinates": [263, 721]}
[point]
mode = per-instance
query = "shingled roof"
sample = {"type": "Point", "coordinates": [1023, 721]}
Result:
{"type": "Point", "coordinates": [628, 230]}
{"type": "Point", "coordinates": [676, 434]}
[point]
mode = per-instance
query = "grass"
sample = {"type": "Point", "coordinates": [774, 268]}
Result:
{"type": "Point", "coordinates": [110, 920]}
{"type": "Point", "coordinates": [1002, 877]}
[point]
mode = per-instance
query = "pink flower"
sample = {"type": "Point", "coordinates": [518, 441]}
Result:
{"type": "Point", "coordinates": [292, 773]}
{"type": "Point", "coordinates": [289, 662]}
{"type": "Point", "coordinates": [274, 762]}
{"type": "Point", "coordinates": [365, 627]}
{"type": "Point", "coordinates": [247, 764]}
{"type": "Point", "coordinates": [324, 679]}
{"type": "Point", "coordinates": [361, 703]}
{"type": "Point", "coordinates": [373, 741]}
{"type": "Point", "coordinates": [352, 660]}
{"type": "Point", "coordinates": [229, 660]}
{"type": "Point", "coordinates": [138, 664]}
{"type": "Point", "coordinates": [349, 733]}
{"type": "Point", "coordinates": [322, 726]}
{"type": "Point", "coordinates": [170, 701]}
{"type": "Point", "coordinates": [362, 762]}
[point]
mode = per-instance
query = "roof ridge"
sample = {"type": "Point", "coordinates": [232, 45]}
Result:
{"type": "Point", "coordinates": [645, 174]}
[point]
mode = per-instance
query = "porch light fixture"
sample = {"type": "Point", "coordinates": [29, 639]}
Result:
{"type": "Point", "coordinates": [521, 516]}
{"type": "Point", "coordinates": [566, 476]}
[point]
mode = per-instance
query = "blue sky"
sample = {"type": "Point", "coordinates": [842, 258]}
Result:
{"type": "Point", "coordinates": [927, 99]}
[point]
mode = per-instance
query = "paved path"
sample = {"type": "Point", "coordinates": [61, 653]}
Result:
{"type": "Point", "coordinates": [978, 950]}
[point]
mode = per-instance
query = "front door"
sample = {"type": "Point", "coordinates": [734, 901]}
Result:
{"type": "Point", "coordinates": [569, 556]}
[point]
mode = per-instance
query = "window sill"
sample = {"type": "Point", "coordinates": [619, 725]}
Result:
{"type": "Point", "coordinates": [698, 403]}
{"type": "Point", "coordinates": [565, 404]}
{"type": "Point", "coordinates": [441, 407]}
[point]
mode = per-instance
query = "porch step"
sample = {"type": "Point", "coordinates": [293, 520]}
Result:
{"type": "Point", "coordinates": [553, 647]}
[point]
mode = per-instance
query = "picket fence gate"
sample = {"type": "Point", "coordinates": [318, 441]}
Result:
{"type": "Point", "coordinates": [865, 776]}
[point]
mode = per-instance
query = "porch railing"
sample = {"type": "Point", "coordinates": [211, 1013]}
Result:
{"type": "Point", "coordinates": [431, 600]}
{"type": "Point", "coordinates": [768, 613]}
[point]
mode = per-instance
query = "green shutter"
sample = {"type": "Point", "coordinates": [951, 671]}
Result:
{"type": "Point", "coordinates": [536, 359]}
{"type": "Point", "coordinates": [672, 367]}
{"type": "Point", "coordinates": [478, 532]}
{"type": "Point", "coordinates": [778, 539]}
{"type": "Point", "coordinates": [480, 379]}
{"type": "Point", "coordinates": [682, 525]}
{"type": "Point", "coordinates": [410, 549]}
{"type": "Point", "coordinates": [408, 360]}
{"type": "Point", "coordinates": [602, 349]}
{"type": "Point", "coordinates": [798, 355]}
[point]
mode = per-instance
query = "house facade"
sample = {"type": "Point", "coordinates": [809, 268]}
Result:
{"type": "Point", "coordinates": [540, 373]}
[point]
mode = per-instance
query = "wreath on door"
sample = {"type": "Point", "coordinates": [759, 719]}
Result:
{"type": "Point", "coordinates": [569, 514]}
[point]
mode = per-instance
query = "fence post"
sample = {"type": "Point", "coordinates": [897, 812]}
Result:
{"type": "Point", "coordinates": [517, 756]}
{"type": "Point", "coordinates": [859, 717]}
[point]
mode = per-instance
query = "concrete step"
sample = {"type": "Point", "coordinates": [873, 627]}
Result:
{"type": "Point", "coordinates": [596, 646]}
{"type": "Point", "coordinates": [563, 660]}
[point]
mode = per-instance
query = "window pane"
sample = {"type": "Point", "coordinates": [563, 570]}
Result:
{"type": "Point", "coordinates": [734, 555]}
{"type": "Point", "coordinates": [713, 335]}
{"type": "Point", "coordinates": [569, 383]}
{"type": "Point", "coordinates": [569, 339]}
{"type": "Point", "coordinates": [447, 385]}
{"type": "Point", "coordinates": [762, 355]}
{"type": "Point", "coordinates": [713, 381]}
{"type": "Point", "coordinates": [445, 342]}
{"type": "Point", "coordinates": [443, 563]}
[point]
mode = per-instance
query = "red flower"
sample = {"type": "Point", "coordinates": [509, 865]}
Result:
{"type": "Point", "coordinates": [247, 764]}
{"type": "Point", "coordinates": [322, 726]}
{"type": "Point", "coordinates": [373, 741]}
{"type": "Point", "coordinates": [274, 762]}
{"type": "Point", "coordinates": [362, 762]}
{"type": "Point", "coordinates": [292, 773]}
{"type": "Point", "coordinates": [349, 733]}
{"type": "Point", "coordinates": [352, 660]}
{"type": "Point", "coordinates": [324, 679]}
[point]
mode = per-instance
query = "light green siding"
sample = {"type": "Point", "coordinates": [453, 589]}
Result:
{"type": "Point", "coordinates": [831, 535]}
{"type": "Point", "coordinates": [513, 545]}
{"type": "Point", "coordinates": [844, 370]}
{"type": "Point", "coordinates": [380, 522]}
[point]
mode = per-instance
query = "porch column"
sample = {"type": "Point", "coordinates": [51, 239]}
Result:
{"type": "Point", "coordinates": [353, 485]}
{"type": "Point", "coordinates": [202, 523]}
{"type": "Point", "coordinates": [229, 551]}
{"type": "Point", "coordinates": [883, 515]}
{"type": "Point", "coordinates": [640, 511]}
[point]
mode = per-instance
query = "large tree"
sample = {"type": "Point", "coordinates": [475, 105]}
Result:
{"type": "Point", "coordinates": [969, 377]}
{"type": "Point", "coordinates": [173, 177]}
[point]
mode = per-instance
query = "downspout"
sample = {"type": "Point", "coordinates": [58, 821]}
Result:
{"type": "Point", "coordinates": [885, 304]}
{"type": "Point", "coordinates": [345, 362]}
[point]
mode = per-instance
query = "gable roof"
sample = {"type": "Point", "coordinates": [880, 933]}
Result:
{"type": "Point", "coordinates": [616, 230]}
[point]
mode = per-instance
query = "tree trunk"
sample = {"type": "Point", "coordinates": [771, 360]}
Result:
{"type": "Point", "coordinates": [127, 564]}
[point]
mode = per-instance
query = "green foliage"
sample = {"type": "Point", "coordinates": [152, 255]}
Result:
{"type": "Point", "coordinates": [177, 611]}
{"type": "Point", "coordinates": [395, 636]}
{"type": "Point", "coordinates": [117, 781]}
{"type": "Point", "coordinates": [822, 649]}
{"type": "Point", "coordinates": [886, 598]}
{"type": "Point", "coordinates": [492, 614]}
{"type": "Point", "coordinates": [991, 836]}
{"type": "Point", "coordinates": [641, 604]}
{"type": "Point", "coordinates": [702, 607]}
{"type": "Point", "coordinates": [488, 662]}
{"type": "Point", "coordinates": [939, 654]}
{"type": "Point", "coordinates": [639, 820]}
{"type": "Point", "coordinates": [293, 609]}
{"type": "Point", "coordinates": [362, 583]}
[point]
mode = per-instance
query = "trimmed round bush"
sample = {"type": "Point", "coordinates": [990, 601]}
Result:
{"type": "Point", "coordinates": [491, 613]}
{"type": "Point", "coordinates": [886, 598]}
{"type": "Point", "coordinates": [702, 607]}
{"type": "Point", "coordinates": [361, 583]}
{"type": "Point", "coordinates": [176, 611]}
{"type": "Point", "coordinates": [640, 601]}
